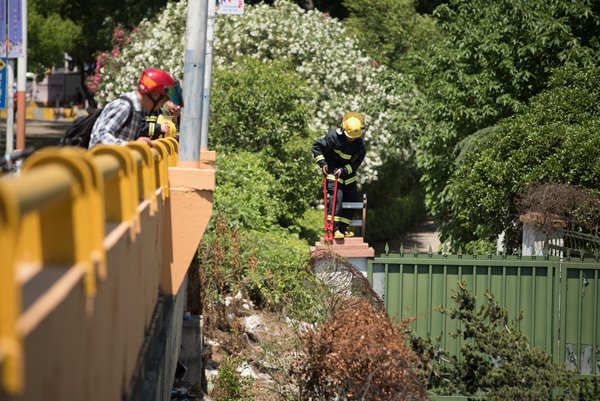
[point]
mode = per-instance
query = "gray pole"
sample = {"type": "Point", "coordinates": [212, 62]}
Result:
{"type": "Point", "coordinates": [208, 61]}
{"type": "Point", "coordinates": [193, 81]}
{"type": "Point", "coordinates": [22, 82]}
{"type": "Point", "coordinates": [10, 105]}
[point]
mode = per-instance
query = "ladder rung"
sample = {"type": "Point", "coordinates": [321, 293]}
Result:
{"type": "Point", "coordinates": [352, 205]}
{"type": "Point", "coordinates": [356, 223]}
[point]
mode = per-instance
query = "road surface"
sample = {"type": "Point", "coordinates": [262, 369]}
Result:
{"type": "Point", "coordinates": [38, 133]}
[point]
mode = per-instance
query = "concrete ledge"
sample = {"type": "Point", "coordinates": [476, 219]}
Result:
{"type": "Point", "coordinates": [353, 247]}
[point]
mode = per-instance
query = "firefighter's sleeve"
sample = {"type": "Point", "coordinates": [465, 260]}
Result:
{"type": "Point", "coordinates": [355, 161]}
{"type": "Point", "coordinates": [319, 149]}
{"type": "Point", "coordinates": [149, 126]}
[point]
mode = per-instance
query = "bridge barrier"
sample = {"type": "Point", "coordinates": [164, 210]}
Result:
{"type": "Point", "coordinates": [84, 239]}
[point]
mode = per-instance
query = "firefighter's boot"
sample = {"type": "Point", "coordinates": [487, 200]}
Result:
{"type": "Point", "coordinates": [338, 235]}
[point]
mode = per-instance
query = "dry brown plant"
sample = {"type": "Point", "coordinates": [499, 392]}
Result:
{"type": "Point", "coordinates": [360, 354]}
{"type": "Point", "coordinates": [548, 206]}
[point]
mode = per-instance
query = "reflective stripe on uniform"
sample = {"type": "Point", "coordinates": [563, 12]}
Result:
{"type": "Point", "coordinates": [341, 180]}
{"type": "Point", "coordinates": [342, 155]}
{"type": "Point", "coordinates": [319, 158]}
{"type": "Point", "coordinates": [349, 168]}
{"type": "Point", "coordinates": [341, 220]}
{"type": "Point", "coordinates": [332, 178]}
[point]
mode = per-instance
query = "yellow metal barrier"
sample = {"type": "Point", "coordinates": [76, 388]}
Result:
{"type": "Point", "coordinates": [122, 188]}
{"type": "Point", "coordinates": [79, 217]}
{"type": "Point", "coordinates": [162, 169]}
{"type": "Point", "coordinates": [146, 180]}
{"type": "Point", "coordinates": [172, 150]}
{"type": "Point", "coordinates": [11, 358]}
{"type": "Point", "coordinates": [56, 212]}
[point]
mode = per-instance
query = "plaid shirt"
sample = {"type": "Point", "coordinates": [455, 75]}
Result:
{"type": "Point", "coordinates": [109, 128]}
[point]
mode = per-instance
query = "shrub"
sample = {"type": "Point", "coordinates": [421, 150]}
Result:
{"type": "Point", "coordinates": [554, 140]}
{"type": "Point", "coordinates": [360, 354]}
{"type": "Point", "coordinates": [496, 358]}
{"type": "Point", "coordinates": [260, 107]}
{"type": "Point", "coordinates": [247, 191]}
{"type": "Point", "coordinates": [230, 384]}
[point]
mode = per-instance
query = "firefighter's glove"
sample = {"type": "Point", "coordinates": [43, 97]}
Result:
{"type": "Point", "coordinates": [340, 172]}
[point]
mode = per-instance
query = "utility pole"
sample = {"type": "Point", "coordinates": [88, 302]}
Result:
{"type": "Point", "coordinates": [10, 106]}
{"type": "Point", "coordinates": [22, 83]}
{"type": "Point", "coordinates": [193, 81]}
{"type": "Point", "coordinates": [208, 60]}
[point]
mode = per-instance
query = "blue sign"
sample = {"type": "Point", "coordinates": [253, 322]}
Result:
{"type": "Point", "coordinates": [3, 88]}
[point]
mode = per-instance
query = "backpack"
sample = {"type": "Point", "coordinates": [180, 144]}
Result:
{"type": "Point", "coordinates": [80, 132]}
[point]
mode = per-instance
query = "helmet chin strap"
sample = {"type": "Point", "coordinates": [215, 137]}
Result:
{"type": "Point", "coordinates": [155, 102]}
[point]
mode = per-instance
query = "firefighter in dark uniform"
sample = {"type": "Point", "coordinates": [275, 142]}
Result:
{"type": "Point", "coordinates": [151, 127]}
{"type": "Point", "coordinates": [339, 154]}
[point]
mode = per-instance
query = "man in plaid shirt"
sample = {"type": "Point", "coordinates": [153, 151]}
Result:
{"type": "Point", "coordinates": [154, 88]}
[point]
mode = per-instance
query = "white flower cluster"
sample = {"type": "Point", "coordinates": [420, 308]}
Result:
{"type": "Point", "coordinates": [317, 46]}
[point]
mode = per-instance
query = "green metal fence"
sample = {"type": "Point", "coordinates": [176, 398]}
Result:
{"type": "Point", "coordinates": [559, 298]}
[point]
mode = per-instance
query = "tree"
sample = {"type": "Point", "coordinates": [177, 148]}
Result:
{"type": "Point", "coordinates": [493, 58]}
{"type": "Point", "coordinates": [50, 35]}
{"type": "Point", "coordinates": [554, 139]}
{"type": "Point", "coordinates": [496, 359]}
{"type": "Point", "coordinates": [316, 47]}
{"type": "Point", "coordinates": [259, 126]}
{"type": "Point", "coordinates": [81, 28]}
{"type": "Point", "coordinates": [388, 30]}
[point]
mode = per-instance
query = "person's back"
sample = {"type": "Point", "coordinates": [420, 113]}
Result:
{"type": "Point", "coordinates": [111, 127]}
{"type": "Point", "coordinates": [154, 88]}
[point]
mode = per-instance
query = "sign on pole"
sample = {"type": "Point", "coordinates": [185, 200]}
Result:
{"type": "Point", "coordinates": [15, 29]}
{"type": "Point", "coordinates": [3, 84]}
{"type": "Point", "coordinates": [3, 38]}
{"type": "Point", "coordinates": [233, 7]}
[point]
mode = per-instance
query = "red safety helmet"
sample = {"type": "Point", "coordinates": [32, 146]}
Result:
{"type": "Point", "coordinates": [155, 80]}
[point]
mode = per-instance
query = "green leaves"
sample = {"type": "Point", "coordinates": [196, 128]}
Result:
{"type": "Point", "coordinates": [494, 57]}
{"type": "Point", "coordinates": [259, 116]}
{"type": "Point", "coordinates": [387, 30]}
{"type": "Point", "coordinates": [496, 357]}
{"type": "Point", "coordinates": [555, 139]}
{"type": "Point", "coordinates": [50, 35]}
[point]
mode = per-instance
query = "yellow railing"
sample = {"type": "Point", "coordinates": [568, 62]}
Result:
{"type": "Point", "coordinates": [56, 213]}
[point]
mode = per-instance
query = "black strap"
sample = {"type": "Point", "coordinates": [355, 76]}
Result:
{"type": "Point", "coordinates": [130, 109]}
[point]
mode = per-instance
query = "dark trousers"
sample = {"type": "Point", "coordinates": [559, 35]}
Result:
{"type": "Point", "coordinates": [345, 193]}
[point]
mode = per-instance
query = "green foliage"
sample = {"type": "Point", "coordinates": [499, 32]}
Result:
{"type": "Point", "coordinates": [79, 27]}
{"type": "Point", "coordinates": [555, 139]}
{"type": "Point", "coordinates": [247, 191]}
{"type": "Point", "coordinates": [230, 384]}
{"type": "Point", "coordinates": [496, 357]}
{"type": "Point", "coordinates": [387, 30]}
{"type": "Point", "coordinates": [50, 35]}
{"type": "Point", "coordinates": [310, 226]}
{"type": "Point", "coordinates": [495, 55]}
{"type": "Point", "coordinates": [272, 267]}
{"type": "Point", "coordinates": [583, 390]}
{"type": "Point", "coordinates": [260, 107]}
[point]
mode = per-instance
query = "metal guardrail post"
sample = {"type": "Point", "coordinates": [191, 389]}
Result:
{"type": "Point", "coordinates": [162, 169]}
{"type": "Point", "coordinates": [78, 216]}
{"type": "Point", "coordinates": [11, 354]}
{"type": "Point", "coordinates": [146, 182]}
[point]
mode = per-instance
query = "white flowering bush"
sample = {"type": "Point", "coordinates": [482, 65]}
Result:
{"type": "Point", "coordinates": [342, 77]}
